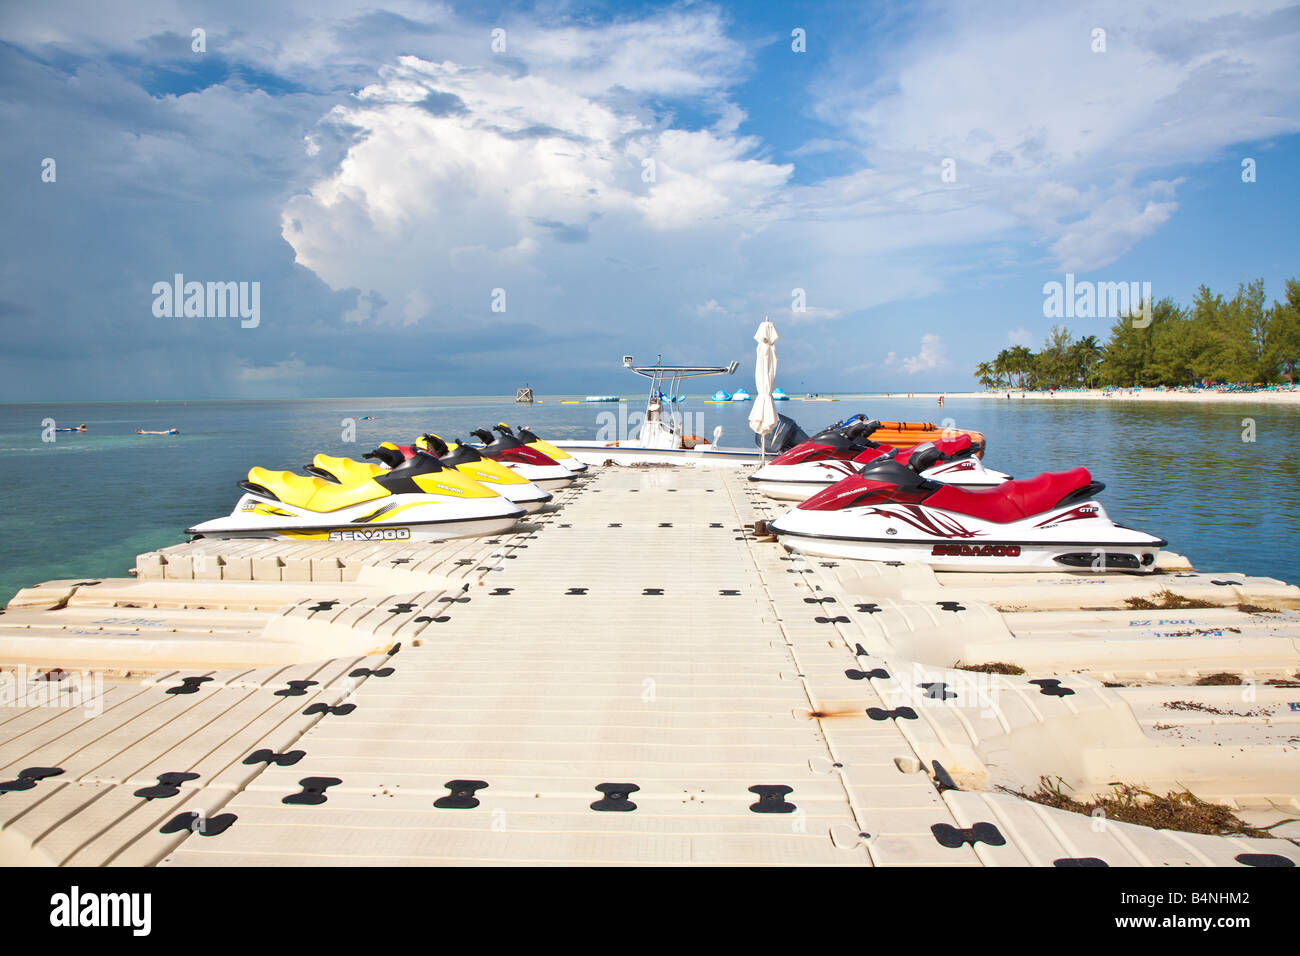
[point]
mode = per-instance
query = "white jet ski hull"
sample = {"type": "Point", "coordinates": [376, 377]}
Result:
{"type": "Point", "coordinates": [1078, 537]}
{"type": "Point", "coordinates": [549, 477]}
{"type": "Point", "coordinates": [405, 518]}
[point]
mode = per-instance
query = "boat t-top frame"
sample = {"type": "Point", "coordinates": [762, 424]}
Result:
{"type": "Point", "coordinates": [665, 386]}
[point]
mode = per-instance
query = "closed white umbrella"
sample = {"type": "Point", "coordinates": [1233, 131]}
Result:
{"type": "Point", "coordinates": [762, 419]}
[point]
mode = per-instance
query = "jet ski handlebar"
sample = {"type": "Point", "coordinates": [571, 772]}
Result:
{"type": "Point", "coordinates": [389, 456]}
{"type": "Point", "coordinates": [861, 429]}
{"type": "Point", "coordinates": [434, 444]}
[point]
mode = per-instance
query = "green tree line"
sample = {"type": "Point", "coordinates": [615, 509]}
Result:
{"type": "Point", "coordinates": [1217, 340]}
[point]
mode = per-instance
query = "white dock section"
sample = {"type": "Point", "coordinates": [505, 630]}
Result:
{"type": "Point", "coordinates": [631, 679]}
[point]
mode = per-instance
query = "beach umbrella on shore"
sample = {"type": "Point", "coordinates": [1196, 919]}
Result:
{"type": "Point", "coordinates": [762, 419]}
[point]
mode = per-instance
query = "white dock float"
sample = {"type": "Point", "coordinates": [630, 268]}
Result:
{"type": "Point", "coordinates": [632, 679]}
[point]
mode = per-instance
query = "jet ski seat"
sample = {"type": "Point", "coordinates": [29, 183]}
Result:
{"type": "Point", "coordinates": [879, 451]}
{"type": "Point", "coordinates": [956, 447]}
{"type": "Point", "coordinates": [314, 494]}
{"type": "Point", "coordinates": [1015, 500]}
{"type": "Point", "coordinates": [347, 470]}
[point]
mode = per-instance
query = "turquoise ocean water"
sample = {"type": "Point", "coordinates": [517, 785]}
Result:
{"type": "Point", "coordinates": [87, 503]}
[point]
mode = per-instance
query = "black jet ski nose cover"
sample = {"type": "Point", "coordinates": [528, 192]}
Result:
{"type": "Point", "coordinates": [463, 455]}
{"type": "Point", "coordinates": [401, 480]}
{"type": "Point", "coordinates": [421, 463]}
{"type": "Point", "coordinates": [497, 443]}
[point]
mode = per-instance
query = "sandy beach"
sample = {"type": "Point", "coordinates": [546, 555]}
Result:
{"type": "Point", "coordinates": [1206, 396]}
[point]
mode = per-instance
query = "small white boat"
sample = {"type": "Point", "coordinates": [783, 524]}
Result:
{"type": "Point", "coordinates": [662, 438]}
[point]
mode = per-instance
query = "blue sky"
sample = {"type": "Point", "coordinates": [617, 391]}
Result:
{"type": "Point", "coordinates": [379, 169]}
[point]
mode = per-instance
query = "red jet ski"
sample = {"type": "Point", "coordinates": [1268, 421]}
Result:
{"type": "Point", "coordinates": [839, 451]}
{"type": "Point", "coordinates": [530, 463]}
{"type": "Point", "coordinates": [888, 512]}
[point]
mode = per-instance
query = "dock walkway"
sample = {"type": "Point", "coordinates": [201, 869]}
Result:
{"type": "Point", "coordinates": [633, 678]}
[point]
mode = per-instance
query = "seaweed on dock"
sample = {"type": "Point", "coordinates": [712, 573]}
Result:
{"type": "Point", "coordinates": [1167, 600]}
{"type": "Point", "coordinates": [1219, 679]}
{"type": "Point", "coordinates": [992, 667]}
{"type": "Point", "coordinates": [1203, 708]}
{"type": "Point", "coordinates": [1256, 609]}
{"type": "Point", "coordinates": [1128, 803]}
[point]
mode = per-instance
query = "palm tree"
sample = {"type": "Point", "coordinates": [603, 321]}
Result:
{"type": "Point", "coordinates": [1019, 366]}
{"type": "Point", "coordinates": [1087, 353]}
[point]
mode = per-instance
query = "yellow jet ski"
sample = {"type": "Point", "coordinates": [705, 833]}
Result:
{"type": "Point", "coordinates": [463, 459]}
{"type": "Point", "coordinates": [420, 499]}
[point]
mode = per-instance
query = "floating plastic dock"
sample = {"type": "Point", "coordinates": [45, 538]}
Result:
{"type": "Point", "coordinates": [633, 678]}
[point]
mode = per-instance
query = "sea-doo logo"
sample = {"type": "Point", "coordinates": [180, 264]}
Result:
{"type": "Point", "coordinates": [371, 534]}
{"type": "Point", "coordinates": [1081, 513]}
{"type": "Point", "coordinates": [976, 550]}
